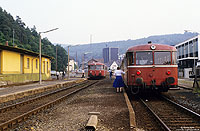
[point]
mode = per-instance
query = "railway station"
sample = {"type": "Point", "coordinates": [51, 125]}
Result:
{"type": "Point", "coordinates": [92, 103]}
{"type": "Point", "coordinates": [99, 65]}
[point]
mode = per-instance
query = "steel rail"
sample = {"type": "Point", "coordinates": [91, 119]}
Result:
{"type": "Point", "coordinates": [176, 105]}
{"type": "Point", "coordinates": [10, 123]}
{"type": "Point", "coordinates": [182, 107]}
{"type": "Point", "coordinates": [157, 117]}
{"type": "Point", "coordinates": [12, 106]}
{"type": "Point", "coordinates": [186, 88]}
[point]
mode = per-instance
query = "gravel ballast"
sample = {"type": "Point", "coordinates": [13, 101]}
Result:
{"type": "Point", "coordinates": [186, 98]}
{"type": "Point", "coordinates": [72, 114]}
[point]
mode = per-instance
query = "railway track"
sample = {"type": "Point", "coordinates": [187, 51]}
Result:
{"type": "Point", "coordinates": [13, 114]}
{"type": "Point", "coordinates": [171, 115]}
{"type": "Point", "coordinates": [184, 87]}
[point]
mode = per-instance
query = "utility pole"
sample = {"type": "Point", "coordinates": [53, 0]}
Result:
{"type": "Point", "coordinates": [56, 58]}
{"type": "Point", "coordinates": [90, 39]}
{"type": "Point", "coordinates": [83, 62]}
{"type": "Point", "coordinates": [76, 60]}
{"type": "Point", "coordinates": [91, 43]}
{"type": "Point", "coordinates": [68, 65]}
{"type": "Point", "coordinates": [40, 57]}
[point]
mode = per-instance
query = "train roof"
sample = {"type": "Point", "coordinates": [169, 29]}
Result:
{"type": "Point", "coordinates": [151, 46]}
{"type": "Point", "coordinates": [96, 63]}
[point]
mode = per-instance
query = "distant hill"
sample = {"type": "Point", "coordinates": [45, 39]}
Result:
{"type": "Point", "coordinates": [94, 50]}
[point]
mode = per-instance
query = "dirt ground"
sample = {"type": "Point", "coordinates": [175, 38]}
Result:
{"type": "Point", "coordinates": [72, 114]}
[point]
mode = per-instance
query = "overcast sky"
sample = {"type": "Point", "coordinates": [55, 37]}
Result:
{"type": "Point", "coordinates": [105, 20]}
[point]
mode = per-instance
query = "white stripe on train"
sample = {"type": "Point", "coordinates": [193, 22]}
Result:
{"type": "Point", "coordinates": [149, 66]}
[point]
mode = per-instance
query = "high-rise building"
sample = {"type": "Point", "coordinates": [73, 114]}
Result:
{"type": "Point", "coordinates": [110, 54]}
{"type": "Point", "coordinates": [106, 55]}
{"type": "Point", "coordinates": [114, 54]}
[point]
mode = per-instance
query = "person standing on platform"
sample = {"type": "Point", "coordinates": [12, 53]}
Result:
{"type": "Point", "coordinates": [57, 75]}
{"type": "Point", "coordinates": [63, 75]}
{"type": "Point", "coordinates": [83, 74]}
{"type": "Point", "coordinates": [118, 83]}
{"type": "Point", "coordinates": [110, 72]}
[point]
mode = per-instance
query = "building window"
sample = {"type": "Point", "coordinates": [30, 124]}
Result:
{"type": "Point", "coordinates": [36, 62]}
{"type": "Point", "coordinates": [191, 49]}
{"type": "Point", "coordinates": [28, 63]}
{"type": "Point", "coordinates": [186, 49]}
{"type": "Point", "coordinates": [47, 68]}
{"type": "Point", "coordinates": [182, 51]}
{"type": "Point", "coordinates": [44, 66]}
{"type": "Point", "coordinates": [195, 47]}
{"type": "Point", "coordinates": [179, 52]}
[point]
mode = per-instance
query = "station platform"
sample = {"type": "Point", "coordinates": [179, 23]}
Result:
{"type": "Point", "coordinates": [186, 83]}
{"type": "Point", "coordinates": [16, 92]}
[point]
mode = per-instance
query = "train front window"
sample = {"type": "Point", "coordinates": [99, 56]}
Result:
{"type": "Point", "coordinates": [91, 67]}
{"type": "Point", "coordinates": [99, 67]}
{"type": "Point", "coordinates": [162, 58]}
{"type": "Point", "coordinates": [144, 58]}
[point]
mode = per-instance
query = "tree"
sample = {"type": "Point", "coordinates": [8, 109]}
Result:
{"type": "Point", "coordinates": [29, 39]}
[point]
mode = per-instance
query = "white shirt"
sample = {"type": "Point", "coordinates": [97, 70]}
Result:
{"type": "Point", "coordinates": [119, 73]}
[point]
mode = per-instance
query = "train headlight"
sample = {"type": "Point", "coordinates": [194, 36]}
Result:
{"type": "Point", "coordinates": [170, 80]}
{"type": "Point", "coordinates": [138, 72]}
{"type": "Point", "coordinates": [153, 47]}
{"type": "Point", "coordinates": [139, 81]}
{"type": "Point", "coordinates": [168, 72]}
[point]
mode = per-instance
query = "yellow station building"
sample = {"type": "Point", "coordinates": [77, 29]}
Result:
{"type": "Point", "coordinates": [19, 65]}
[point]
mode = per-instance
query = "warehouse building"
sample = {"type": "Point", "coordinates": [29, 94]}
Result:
{"type": "Point", "coordinates": [19, 65]}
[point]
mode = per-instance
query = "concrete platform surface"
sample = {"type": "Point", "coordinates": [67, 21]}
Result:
{"type": "Point", "coordinates": [188, 83]}
{"type": "Point", "coordinates": [16, 92]}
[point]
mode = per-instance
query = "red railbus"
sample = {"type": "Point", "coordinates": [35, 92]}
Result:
{"type": "Point", "coordinates": [150, 67]}
{"type": "Point", "coordinates": [96, 70]}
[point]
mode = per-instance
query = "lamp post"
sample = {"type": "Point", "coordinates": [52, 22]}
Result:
{"type": "Point", "coordinates": [68, 65]}
{"type": "Point", "coordinates": [40, 53]}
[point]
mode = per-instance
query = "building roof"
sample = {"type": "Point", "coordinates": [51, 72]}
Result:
{"type": "Point", "coordinates": [95, 63]}
{"type": "Point", "coordinates": [118, 62]}
{"type": "Point", "coordinates": [195, 37]}
{"type": "Point", "coordinates": [100, 60]}
{"type": "Point", "coordinates": [92, 60]}
{"type": "Point", "coordinates": [23, 51]}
